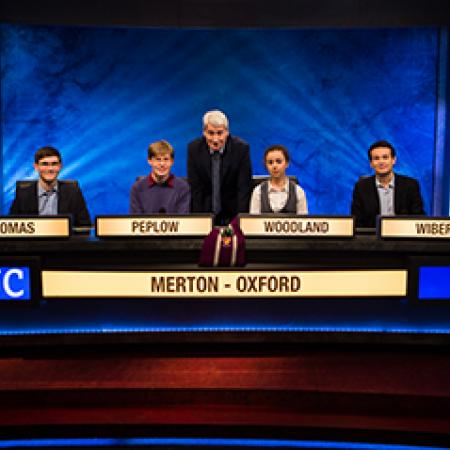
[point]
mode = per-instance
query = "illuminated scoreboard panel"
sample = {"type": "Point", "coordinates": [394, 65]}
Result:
{"type": "Point", "coordinates": [20, 281]}
{"type": "Point", "coordinates": [224, 284]}
{"type": "Point", "coordinates": [24, 282]}
{"type": "Point", "coordinates": [433, 283]}
{"type": "Point", "coordinates": [15, 283]}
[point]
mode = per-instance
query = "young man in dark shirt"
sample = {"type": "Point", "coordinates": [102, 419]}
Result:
{"type": "Point", "coordinates": [161, 191]}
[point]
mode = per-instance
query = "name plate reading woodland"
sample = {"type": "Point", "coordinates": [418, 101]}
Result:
{"type": "Point", "coordinates": [416, 228]}
{"type": "Point", "coordinates": [34, 227]}
{"type": "Point", "coordinates": [155, 226]}
{"type": "Point", "coordinates": [220, 284]}
{"type": "Point", "coordinates": [295, 226]}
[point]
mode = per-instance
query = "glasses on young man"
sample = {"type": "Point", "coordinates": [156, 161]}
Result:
{"type": "Point", "coordinates": [49, 164]}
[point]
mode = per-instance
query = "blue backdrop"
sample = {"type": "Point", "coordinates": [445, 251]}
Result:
{"type": "Point", "coordinates": [101, 95]}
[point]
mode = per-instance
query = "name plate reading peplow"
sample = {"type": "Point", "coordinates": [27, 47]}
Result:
{"type": "Point", "coordinates": [295, 226]}
{"type": "Point", "coordinates": [225, 284]}
{"type": "Point", "coordinates": [153, 226]}
{"type": "Point", "coordinates": [34, 227]}
{"type": "Point", "coordinates": [414, 227]}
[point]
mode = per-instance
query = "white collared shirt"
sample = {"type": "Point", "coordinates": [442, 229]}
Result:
{"type": "Point", "coordinates": [278, 198]}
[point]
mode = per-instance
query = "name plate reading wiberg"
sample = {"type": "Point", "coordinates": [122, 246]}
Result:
{"type": "Point", "coordinates": [414, 228]}
{"type": "Point", "coordinates": [34, 227]}
{"type": "Point", "coordinates": [295, 226]}
{"type": "Point", "coordinates": [153, 226]}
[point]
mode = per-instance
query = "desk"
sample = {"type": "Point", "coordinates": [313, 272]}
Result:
{"type": "Point", "coordinates": [342, 318]}
{"type": "Point", "coordinates": [351, 368]}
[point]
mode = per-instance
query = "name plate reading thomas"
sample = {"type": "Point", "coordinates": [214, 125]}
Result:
{"type": "Point", "coordinates": [228, 284]}
{"type": "Point", "coordinates": [34, 227]}
{"type": "Point", "coordinates": [296, 226]}
{"type": "Point", "coordinates": [414, 227]}
{"type": "Point", "coordinates": [154, 226]}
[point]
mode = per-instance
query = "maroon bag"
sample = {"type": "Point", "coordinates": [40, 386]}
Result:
{"type": "Point", "coordinates": [224, 246]}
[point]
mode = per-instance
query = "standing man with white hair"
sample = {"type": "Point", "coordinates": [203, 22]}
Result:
{"type": "Point", "coordinates": [219, 170]}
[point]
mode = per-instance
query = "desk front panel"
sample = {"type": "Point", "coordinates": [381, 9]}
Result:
{"type": "Point", "coordinates": [358, 287]}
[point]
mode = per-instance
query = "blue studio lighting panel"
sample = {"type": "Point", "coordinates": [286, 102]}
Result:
{"type": "Point", "coordinates": [101, 95]}
{"type": "Point", "coordinates": [434, 283]}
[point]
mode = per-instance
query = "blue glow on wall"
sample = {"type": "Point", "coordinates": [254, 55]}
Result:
{"type": "Point", "coordinates": [204, 443]}
{"type": "Point", "coordinates": [107, 316]}
{"type": "Point", "coordinates": [434, 283]}
{"type": "Point", "coordinates": [101, 95]}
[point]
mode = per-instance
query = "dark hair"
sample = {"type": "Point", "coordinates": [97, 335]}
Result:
{"type": "Point", "coordinates": [281, 148]}
{"type": "Point", "coordinates": [379, 144]}
{"type": "Point", "coordinates": [44, 152]}
{"type": "Point", "coordinates": [160, 147]}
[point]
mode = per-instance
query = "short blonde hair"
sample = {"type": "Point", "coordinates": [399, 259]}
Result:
{"type": "Point", "coordinates": [160, 147]}
{"type": "Point", "coordinates": [215, 118]}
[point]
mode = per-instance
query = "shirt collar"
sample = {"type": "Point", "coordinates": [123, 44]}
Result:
{"type": "Point", "coordinates": [168, 182]}
{"type": "Point", "coordinates": [211, 152]}
{"type": "Point", "coordinates": [285, 189]}
{"type": "Point", "coordinates": [42, 191]}
{"type": "Point", "coordinates": [391, 184]}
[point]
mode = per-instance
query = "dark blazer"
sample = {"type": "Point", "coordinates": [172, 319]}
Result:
{"type": "Point", "coordinates": [236, 177]}
{"type": "Point", "coordinates": [70, 201]}
{"type": "Point", "coordinates": [366, 203]}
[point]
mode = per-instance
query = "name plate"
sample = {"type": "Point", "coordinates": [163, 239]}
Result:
{"type": "Point", "coordinates": [416, 228]}
{"type": "Point", "coordinates": [153, 226]}
{"type": "Point", "coordinates": [296, 226]}
{"type": "Point", "coordinates": [220, 284]}
{"type": "Point", "coordinates": [34, 227]}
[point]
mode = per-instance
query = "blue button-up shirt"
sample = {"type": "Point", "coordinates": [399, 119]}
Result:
{"type": "Point", "coordinates": [48, 201]}
{"type": "Point", "coordinates": [386, 196]}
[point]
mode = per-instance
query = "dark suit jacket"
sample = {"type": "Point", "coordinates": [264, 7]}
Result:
{"type": "Point", "coordinates": [366, 203]}
{"type": "Point", "coordinates": [70, 201]}
{"type": "Point", "coordinates": [236, 177]}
